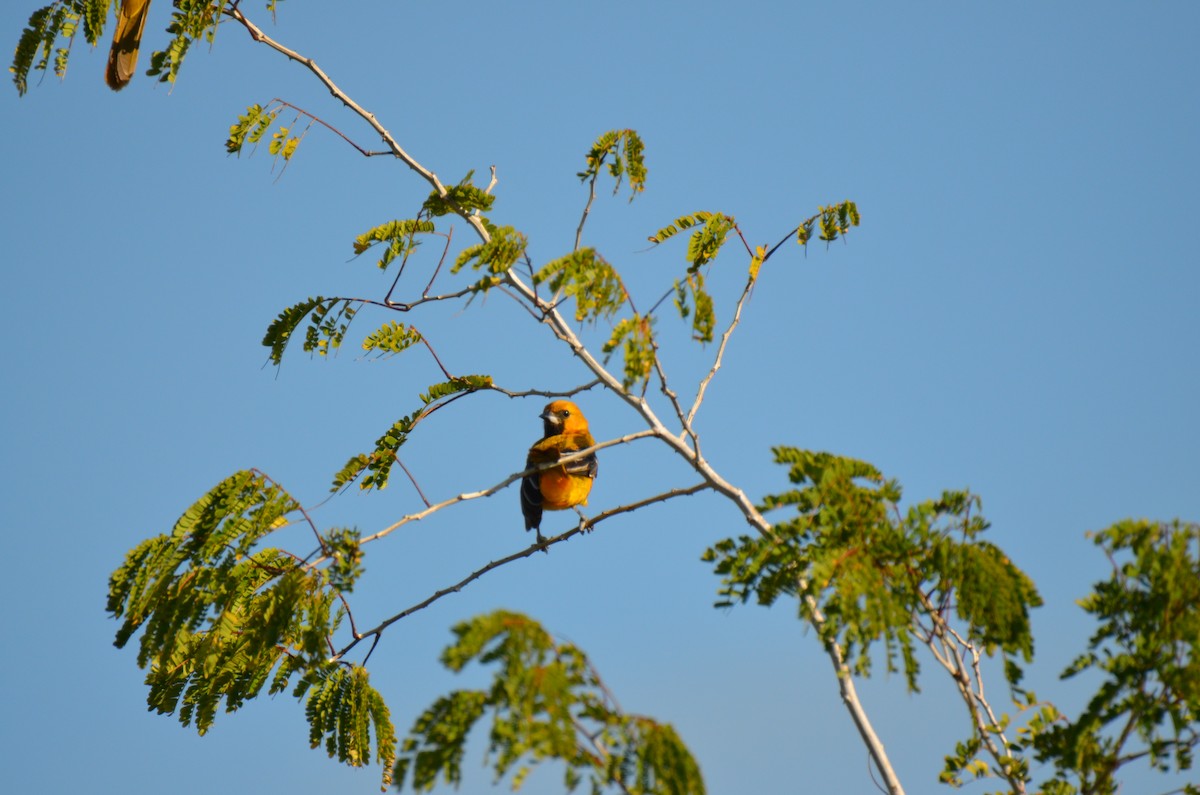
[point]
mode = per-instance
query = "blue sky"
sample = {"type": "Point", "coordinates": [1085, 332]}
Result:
{"type": "Point", "coordinates": [1016, 315]}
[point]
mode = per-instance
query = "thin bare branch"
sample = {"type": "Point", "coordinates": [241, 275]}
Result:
{"type": "Point", "coordinates": [717, 360]}
{"type": "Point", "coordinates": [475, 495]}
{"type": "Point", "coordinates": [257, 34]}
{"type": "Point", "coordinates": [546, 393]}
{"type": "Point", "coordinates": [413, 480]}
{"type": "Point", "coordinates": [587, 207]}
{"type": "Point", "coordinates": [331, 128]}
{"type": "Point", "coordinates": [524, 553]}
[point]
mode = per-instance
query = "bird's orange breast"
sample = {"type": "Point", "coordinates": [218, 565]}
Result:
{"type": "Point", "coordinates": [561, 491]}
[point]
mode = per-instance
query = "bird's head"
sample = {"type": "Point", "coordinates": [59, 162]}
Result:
{"type": "Point", "coordinates": [563, 416]}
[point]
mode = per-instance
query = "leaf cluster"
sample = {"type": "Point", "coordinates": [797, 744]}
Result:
{"type": "Point", "coordinates": [624, 153]}
{"type": "Point", "coordinates": [547, 703]}
{"type": "Point", "coordinates": [869, 568]}
{"type": "Point", "coordinates": [634, 337]}
{"type": "Point", "coordinates": [494, 257]}
{"type": "Point", "coordinates": [191, 20]}
{"type": "Point", "coordinates": [328, 321]}
{"type": "Point", "coordinates": [342, 711]}
{"type": "Point", "coordinates": [378, 463]}
{"type": "Point", "coordinates": [39, 45]}
{"type": "Point", "coordinates": [220, 617]}
{"type": "Point", "coordinates": [1146, 650]}
{"type": "Point", "coordinates": [833, 221]}
{"type": "Point", "coordinates": [461, 199]}
{"type": "Point", "coordinates": [588, 278]}
{"type": "Point", "coordinates": [398, 235]}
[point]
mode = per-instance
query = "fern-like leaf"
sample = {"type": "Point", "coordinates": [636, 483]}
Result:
{"type": "Point", "coordinates": [249, 128]}
{"type": "Point", "coordinates": [191, 20]}
{"type": "Point", "coordinates": [391, 338]}
{"type": "Point", "coordinates": [585, 276]}
{"type": "Point", "coordinates": [463, 198]}
{"type": "Point", "coordinates": [496, 256]}
{"type": "Point", "coordinates": [634, 336]}
{"type": "Point", "coordinates": [328, 321]}
{"type": "Point", "coordinates": [547, 703]}
{"type": "Point", "coordinates": [397, 235]}
{"type": "Point", "coordinates": [624, 152]}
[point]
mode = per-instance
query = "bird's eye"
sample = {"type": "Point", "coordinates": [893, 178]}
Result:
{"type": "Point", "coordinates": [566, 413]}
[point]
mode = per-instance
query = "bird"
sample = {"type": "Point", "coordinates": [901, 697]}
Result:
{"type": "Point", "coordinates": [564, 431]}
{"type": "Point", "coordinates": [127, 38]}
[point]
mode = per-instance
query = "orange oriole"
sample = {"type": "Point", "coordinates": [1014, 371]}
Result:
{"type": "Point", "coordinates": [127, 39]}
{"type": "Point", "coordinates": [564, 430]}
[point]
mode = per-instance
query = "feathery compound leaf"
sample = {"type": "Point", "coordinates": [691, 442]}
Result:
{"type": "Point", "coordinates": [635, 337]}
{"type": "Point", "coordinates": [461, 383]}
{"type": "Point", "coordinates": [191, 20]}
{"type": "Point", "coordinates": [399, 236]}
{"type": "Point", "coordinates": [391, 338]}
{"type": "Point", "coordinates": [341, 709]}
{"type": "Point", "coordinates": [547, 703]}
{"type": "Point", "coordinates": [681, 223]}
{"type": "Point", "coordinates": [585, 276]}
{"type": "Point", "coordinates": [463, 198]}
{"type": "Point", "coordinates": [350, 472]}
{"type": "Point", "coordinates": [58, 20]}
{"type": "Point", "coordinates": [329, 320]}
{"type": "Point", "coordinates": [834, 220]}
{"type": "Point", "coordinates": [1146, 654]}
{"type": "Point", "coordinates": [250, 127]}
{"type": "Point", "coordinates": [871, 569]}
{"type": "Point", "coordinates": [217, 616]}
{"type": "Point", "coordinates": [704, 320]}
{"type": "Point", "coordinates": [341, 545]}
{"type": "Point", "coordinates": [495, 256]}
{"type": "Point", "coordinates": [378, 464]}
{"type": "Point", "coordinates": [706, 241]}
{"type": "Point", "coordinates": [624, 152]}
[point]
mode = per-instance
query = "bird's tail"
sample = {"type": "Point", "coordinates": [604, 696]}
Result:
{"type": "Point", "coordinates": [127, 38]}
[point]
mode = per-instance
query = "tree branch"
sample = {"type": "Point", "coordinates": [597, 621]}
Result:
{"type": "Point", "coordinates": [585, 525]}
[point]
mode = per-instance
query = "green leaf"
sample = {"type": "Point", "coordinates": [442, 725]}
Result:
{"type": "Point", "coordinates": [634, 336]}
{"type": "Point", "coordinates": [704, 320]}
{"type": "Point", "coordinates": [391, 338]}
{"type": "Point", "coordinates": [496, 256]}
{"type": "Point", "coordinates": [462, 383]}
{"type": "Point", "coordinates": [679, 224]}
{"type": "Point", "coordinates": [546, 703]}
{"type": "Point", "coordinates": [342, 709]}
{"type": "Point", "coordinates": [706, 241]}
{"type": "Point", "coordinates": [49, 35]}
{"type": "Point", "coordinates": [378, 463]}
{"type": "Point", "coordinates": [250, 127]}
{"type": "Point", "coordinates": [329, 320]}
{"type": "Point", "coordinates": [624, 152]}
{"type": "Point", "coordinates": [871, 567]}
{"type": "Point", "coordinates": [1145, 653]}
{"type": "Point", "coordinates": [191, 20]}
{"type": "Point", "coordinates": [461, 199]}
{"type": "Point", "coordinates": [585, 276]}
{"type": "Point", "coordinates": [398, 235]}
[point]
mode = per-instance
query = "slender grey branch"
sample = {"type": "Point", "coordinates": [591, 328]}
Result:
{"type": "Point", "coordinates": [474, 495]}
{"type": "Point", "coordinates": [532, 549]}
{"type": "Point", "coordinates": [587, 208]}
{"type": "Point", "coordinates": [257, 34]}
{"type": "Point", "coordinates": [717, 360]}
{"type": "Point", "coordinates": [545, 393]}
